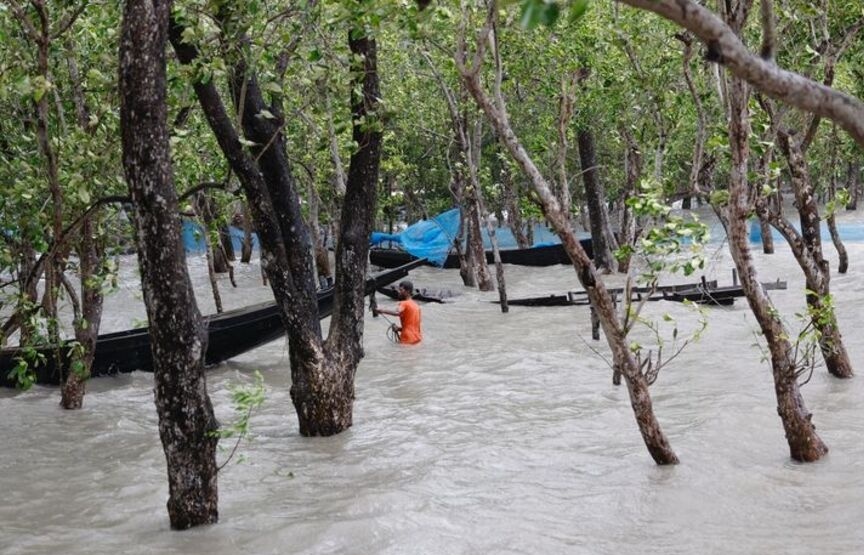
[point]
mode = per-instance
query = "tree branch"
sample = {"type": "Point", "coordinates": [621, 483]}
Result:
{"type": "Point", "coordinates": [726, 48]}
{"type": "Point", "coordinates": [69, 20]}
{"type": "Point", "coordinates": [769, 31]}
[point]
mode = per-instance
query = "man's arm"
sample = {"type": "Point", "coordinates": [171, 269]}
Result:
{"type": "Point", "coordinates": [378, 311]}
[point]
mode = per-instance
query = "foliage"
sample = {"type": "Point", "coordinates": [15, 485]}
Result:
{"type": "Point", "coordinates": [244, 400]}
{"type": "Point", "coordinates": [673, 243]}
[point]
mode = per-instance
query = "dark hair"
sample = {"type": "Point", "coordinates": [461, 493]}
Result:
{"type": "Point", "coordinates": [407, 285]}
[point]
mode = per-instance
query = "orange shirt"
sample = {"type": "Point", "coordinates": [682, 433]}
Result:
{"type": "Point", "coordinates": [409, 317]}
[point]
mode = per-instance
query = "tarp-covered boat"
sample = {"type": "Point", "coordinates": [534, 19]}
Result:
{"type": "Point", "coordinates": [433, 240]}
{"type": "Point", "coordinates": [229, 334]}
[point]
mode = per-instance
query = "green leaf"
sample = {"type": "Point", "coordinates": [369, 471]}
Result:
{"type": "Point", "coordinates": [578, 8]}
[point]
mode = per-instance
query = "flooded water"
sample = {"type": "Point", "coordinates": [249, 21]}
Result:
{"type": "Point", "coordinates": [498, 434]}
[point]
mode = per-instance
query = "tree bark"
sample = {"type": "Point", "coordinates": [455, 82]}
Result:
{"type": "Point", "coordinates": [842, 255]}
{"type": "Point", "coordinates": [640, 399]}
{"type": "Point", "coordinates": [87, 329]}
{"type": "Point", "coordinates": [595, 197]}
{"type": "Point", "coordinates": [764, 224]}
{"type": "Point", "coordinates": [701, 125]}
{"type": "Point", "coordinates": [322, 372]}
{"type": "Point", "coordinates": [633, 172]}
{"type": "Point", "coordinates": [804, 443]}
{"type": "Point", "coordinates": [473, 266]}
{"type": "Point", "coordinates": [816, 269]}
{"type": "Point", "coordinates": [853, 185]}
{"type": "Point", "coordinates": [178, 336]}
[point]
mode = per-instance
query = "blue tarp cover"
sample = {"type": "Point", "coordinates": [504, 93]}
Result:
{"type": "Point", "coordinates": [430, 239]}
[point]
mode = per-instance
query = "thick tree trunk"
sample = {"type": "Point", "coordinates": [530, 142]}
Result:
{"type": "Point", "coordinates": [178, 336]}
{"type": "Point", "coordinates": [804, 443]}
{"type": "Point", "coordinates": [324, 406]}
{"type": "Point", "coordinates": [595, 197]}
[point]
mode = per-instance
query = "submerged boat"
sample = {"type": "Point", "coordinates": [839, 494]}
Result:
{"type": "Point", "coordinates": [543, 255]}
{"type": "Point", "coordinates": [229, 334]}
{"type": "Point", "coordinates": [421, 294]}
{"type": "Point", "coordinates": [656, 293]}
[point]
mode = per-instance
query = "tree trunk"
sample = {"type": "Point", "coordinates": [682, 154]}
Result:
{"type": "Point", "coordinates": [633, 172]}
{"type": "Point", "coordinates": [640, 399]}
{"type": "Point", "coordinates": [842, 255]}
{"type": "Point", "coordinates": [324, 406]}
{"type": "Point", "coordinates": [853, 184]}
{"type": "Point", "coordinates": [514, 212]}
{"type": "Point", "coordinates": [178, 336]}
{"type": "Point", "coordinates": [595, 197]}
{"type": "Point", "coordinates": [764, 224]}
{"type": "Point", "coordinates": [804, 443]}
{"type": "Point", "coordinates": [810, 258]}
{"type": "Point", "coordinates": [246, 248]}
{"type": "Point", "coordinates": [86, 330]}
{"type": "Point", "coordinates": [205, 208]}
{"type": "Point", "coordinates": [476, 213]}
{"type": "Point", "coordinates": [475, 239]}
{"type": "Point", "coordinates": [227, 246]}
{"type": "Point", "coordinates": [699, 146]}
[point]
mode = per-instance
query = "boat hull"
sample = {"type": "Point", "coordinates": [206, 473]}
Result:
{"type": "Point", "coordinates": [229, 334]}
{"type": "Point", "coordinates": [546, 255]}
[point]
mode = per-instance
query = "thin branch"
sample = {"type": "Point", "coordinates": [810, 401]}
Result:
{"type": "Point", "coordinates": [64, 237]}
{"type": "Point", "coordinates": [23, 20]}
{"type": "Point", "coordinates": [69, 20]}
{"type": "Point", "coordinates": [769, 31]}
{"type": "Point", "coordinates": [73, 296]}
{"type": "Point", "coordinates": [202, 186]}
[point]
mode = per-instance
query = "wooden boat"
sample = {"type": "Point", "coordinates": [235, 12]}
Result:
{"type": "Point", "coordinates": [545, 255]}
{"type": "Point", "coordinates": [719, 296]}
{"type": "Point", "coordinates": [420, 294]}
{"type": "Point", "coordinates": [581, 297]}
{"type": "Point", "coordinates": [229, 334]}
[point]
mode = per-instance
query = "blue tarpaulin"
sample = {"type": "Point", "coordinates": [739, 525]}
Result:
{"type": "Point", "coordinates": [430, 239]}
{"type": "Point", "coordinates": [194, 242]}
{"type": "Point", "coordinates": [848, 232]}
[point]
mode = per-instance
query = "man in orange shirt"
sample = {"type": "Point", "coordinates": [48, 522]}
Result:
{"type": "Point", "coordinates": [409, 315]}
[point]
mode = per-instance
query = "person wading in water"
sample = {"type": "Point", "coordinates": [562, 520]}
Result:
{"type": "Point", "coordinates": [409, 315]}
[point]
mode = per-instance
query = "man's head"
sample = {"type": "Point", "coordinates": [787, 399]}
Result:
{"type": "Point", "coordinates": [406, 289]}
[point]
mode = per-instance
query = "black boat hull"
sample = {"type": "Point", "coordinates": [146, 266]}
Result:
{"type": "Point", "coordinates": [546, 255]}
{"type": "Point", "coordinates": [229, 334]}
